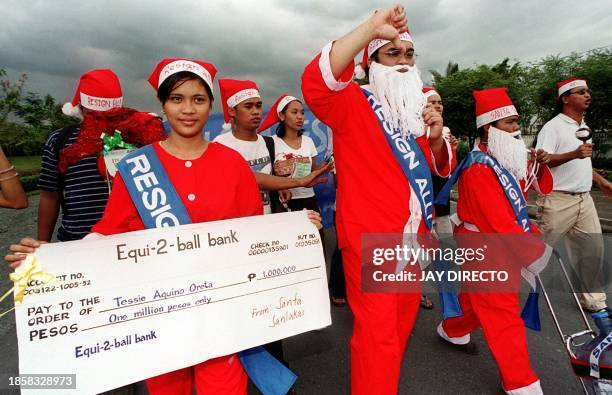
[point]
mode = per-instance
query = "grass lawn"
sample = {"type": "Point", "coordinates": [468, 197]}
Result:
{"type": "Point", "coordinates": [26, 165]}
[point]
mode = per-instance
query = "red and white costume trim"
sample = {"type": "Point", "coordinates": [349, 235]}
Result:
{"type": "Point", "coordinates": [373, 197]}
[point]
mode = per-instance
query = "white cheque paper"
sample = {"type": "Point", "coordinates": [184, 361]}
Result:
{"type": "Point", "coordinates": [132, 306]}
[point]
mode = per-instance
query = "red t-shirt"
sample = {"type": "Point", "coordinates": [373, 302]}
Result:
{"type": "Point", "coordinates": [373, 192]}
{"type": "Point", "coordinates": [217, 185]}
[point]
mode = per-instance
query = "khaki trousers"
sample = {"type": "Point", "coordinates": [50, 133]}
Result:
{"type": "Point", "coordinates": [575, 218]}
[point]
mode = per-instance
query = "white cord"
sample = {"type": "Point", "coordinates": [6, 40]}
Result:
{"type": "Point", "coordinates": [532, 173]}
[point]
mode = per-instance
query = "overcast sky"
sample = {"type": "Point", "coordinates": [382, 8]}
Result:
{"type": "Point", "coordinates": [270, 42]}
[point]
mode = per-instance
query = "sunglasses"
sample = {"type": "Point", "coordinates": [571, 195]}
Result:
{"type": "Point", "coordinates": [581, 92]}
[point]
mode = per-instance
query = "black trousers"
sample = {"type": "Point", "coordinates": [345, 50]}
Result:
{"type": "Point", "coordinates": [337, 286]}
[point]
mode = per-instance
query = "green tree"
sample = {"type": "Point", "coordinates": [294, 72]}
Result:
{"type": "Point", "coordinates": [10, 94]}
{"type": "Point", "coordinates": [451, 68]}
{"type": "Point", "coordinates": [26, 119]}
{"type": "Point", "coordinates": [542, 77]}
{"type": "Point", "coordinates": [597, 69]}
{"type": "Point", "coordinates": [456, 90]}
{"type": "Point", "coordinates": [533, 90]}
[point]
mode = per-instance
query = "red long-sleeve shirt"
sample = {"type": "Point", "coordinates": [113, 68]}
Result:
{"type": "Point", "coordinates": [217, 185]}
{"type": "Point", "coordinates": [373, 192]}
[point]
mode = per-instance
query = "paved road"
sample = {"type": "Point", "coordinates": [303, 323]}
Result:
{"type": "Point", "coordinates": [321, 359]}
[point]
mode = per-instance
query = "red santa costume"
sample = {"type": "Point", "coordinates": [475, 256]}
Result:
{"type": "Point", "coordinates": [374, 196]}
{"type": "Point", "coordinates": [217, 185]}
{"type": "Point", "coordinates": [483, 207]}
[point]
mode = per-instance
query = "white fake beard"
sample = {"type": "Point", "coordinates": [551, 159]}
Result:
{"type": "Point", "coordinates": [400, 96]}
{"type": "Point", "coordinates": [509, 151]}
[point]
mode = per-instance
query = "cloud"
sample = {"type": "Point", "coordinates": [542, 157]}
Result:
{"type": "Point", "coordinates": [271, 41]}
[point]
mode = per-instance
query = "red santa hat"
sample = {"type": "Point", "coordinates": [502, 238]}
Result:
{"type": "Point", "coordinates": [275, 110]}
{"type": "Point", "coordinates": [570, 83]}
{"type": "Point", "coordinates": [168, 67]}
{"type": "Point", "coordinates": [233, 92]}
{"type": "Point", "coordinates": [430, 92]}
{"type": "Point", "coordinates": [372, 47]}
{"type": "Point", "coordinates": [492, 105]}
{"type": "Point", "coordinates": [98, 90]}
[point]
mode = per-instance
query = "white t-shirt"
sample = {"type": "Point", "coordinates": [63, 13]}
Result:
{"type": "Point", "coordinates": [558, 136]}
{"type": "Point", "coordinates": [300, 161]}
{"type": "Point", "coordinates": [257, 156]}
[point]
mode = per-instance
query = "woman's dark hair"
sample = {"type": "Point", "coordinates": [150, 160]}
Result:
{"type": "Point", "coordinates": [280, 129]}
{"type": "Point", "coordinates": [176, 80]}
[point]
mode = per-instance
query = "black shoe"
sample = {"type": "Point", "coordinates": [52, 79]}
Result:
{"type": "Point", "coordinates": [468, 348]}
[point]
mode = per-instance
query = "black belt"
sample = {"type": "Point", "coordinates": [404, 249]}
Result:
{"type": "Point", "coordinates": [571, 193]}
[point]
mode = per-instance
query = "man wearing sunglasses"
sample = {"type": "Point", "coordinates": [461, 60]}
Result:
{"type": "Point", "coordinates": [569, 210]}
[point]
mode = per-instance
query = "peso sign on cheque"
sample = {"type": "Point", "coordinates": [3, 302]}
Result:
{"type": "Point", "coordinates": [127, 307]}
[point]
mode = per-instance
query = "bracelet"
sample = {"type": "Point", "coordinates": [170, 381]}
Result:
{"type": "Point", "coordinates": [7, 170]}
{"type": "Point", "coordinates": [9, 177]}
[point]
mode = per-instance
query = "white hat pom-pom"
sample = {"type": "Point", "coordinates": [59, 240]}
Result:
{"type": "Point", "coordinates": [71, 111]}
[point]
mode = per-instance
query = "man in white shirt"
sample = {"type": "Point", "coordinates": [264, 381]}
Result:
{"type": "Point", "coordinates": [569, 210]}
{"type": "Point", "coordinates": [242, 106]}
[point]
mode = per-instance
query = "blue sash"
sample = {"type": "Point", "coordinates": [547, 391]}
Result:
{"type": "Point", "coordinates": [149, 187]}
{"type": "Point", "coordinates": [410, 158]}
{"type": "Point", "coordinates": [508, 183]}
{"type": "Point", "coordinates": [514, 194]}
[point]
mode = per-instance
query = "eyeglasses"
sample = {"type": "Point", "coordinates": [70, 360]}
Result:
{"type": "Point", "coordinates": [396, 53]}
{"type": "Point", "coordinates": [582, 92]}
